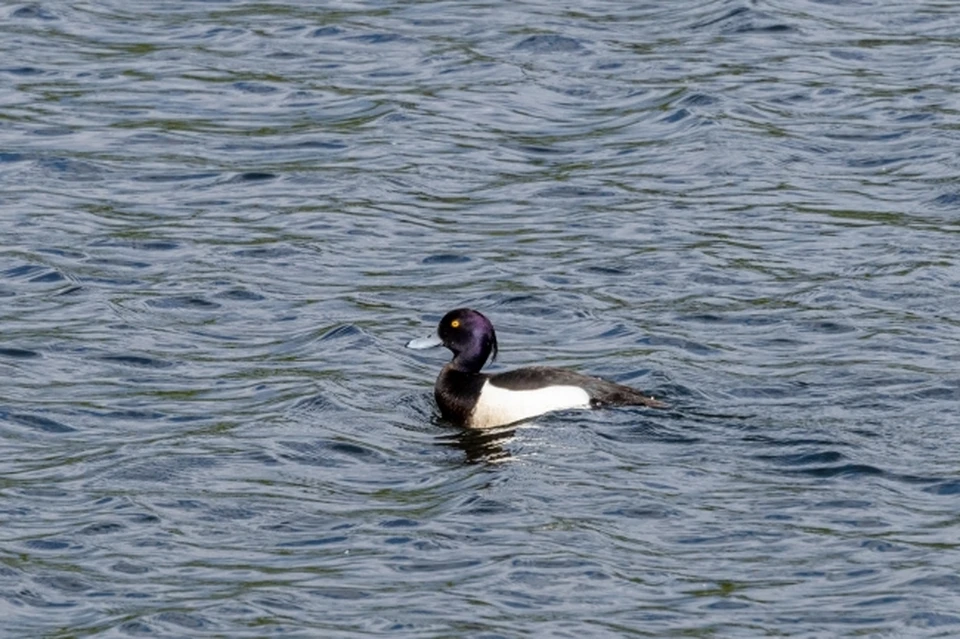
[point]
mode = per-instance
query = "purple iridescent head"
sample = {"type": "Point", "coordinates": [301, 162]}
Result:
{"type": "Point", "coordinates": [468, 334]}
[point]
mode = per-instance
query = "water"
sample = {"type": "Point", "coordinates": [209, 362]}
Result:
{"type": "Point", "coordinates": [221, 221]}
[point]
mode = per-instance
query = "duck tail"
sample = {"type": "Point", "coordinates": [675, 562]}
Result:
{"type": "Point", "coordinates": [617, 395]}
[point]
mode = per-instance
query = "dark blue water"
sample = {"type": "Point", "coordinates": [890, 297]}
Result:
{"type": "Point", "coordinates": [221, 221]}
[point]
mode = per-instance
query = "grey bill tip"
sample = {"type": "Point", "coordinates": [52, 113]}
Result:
{"type": "Point", "coordinates": [425, 342]}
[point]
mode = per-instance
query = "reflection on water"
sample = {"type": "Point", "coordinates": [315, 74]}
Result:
{"type": "Point", "coordinates": [481, 445]}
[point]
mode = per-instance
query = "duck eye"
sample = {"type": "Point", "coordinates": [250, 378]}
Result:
{"type": "Point", "coordinates": [455, 324]}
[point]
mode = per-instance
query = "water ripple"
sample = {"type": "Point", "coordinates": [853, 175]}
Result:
{"type": "Point", "coordinates": [224, 220]}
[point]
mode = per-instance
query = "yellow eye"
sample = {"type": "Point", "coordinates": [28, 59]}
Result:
{"type": "Point", "coordinates": [455, 323]}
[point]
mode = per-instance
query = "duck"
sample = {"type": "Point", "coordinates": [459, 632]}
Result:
{"type": "Point", "coordinates": [472, 399]}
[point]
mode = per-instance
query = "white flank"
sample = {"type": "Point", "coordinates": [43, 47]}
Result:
{"type": "Point", "coordinates": [498, 406]}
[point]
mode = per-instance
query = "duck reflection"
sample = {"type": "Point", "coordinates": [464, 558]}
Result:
{"type": "Point", "coordinates": [482, 446]}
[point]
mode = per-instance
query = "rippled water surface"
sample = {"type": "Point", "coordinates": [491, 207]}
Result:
{"type": "Point", "coordinates": [221, 221]}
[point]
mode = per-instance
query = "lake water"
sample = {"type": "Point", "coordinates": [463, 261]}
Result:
{"type": "Point", "coordinates": [221, 222]}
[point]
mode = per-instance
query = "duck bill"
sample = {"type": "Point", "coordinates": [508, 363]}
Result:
{"type": "Point", "coordinates": [425, 342]}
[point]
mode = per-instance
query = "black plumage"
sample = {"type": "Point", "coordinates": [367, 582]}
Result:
{"type": "Point", "coordinates": [602, 392]}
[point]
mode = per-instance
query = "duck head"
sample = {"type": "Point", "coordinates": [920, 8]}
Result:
{"type": "Point", "coordinates": [469, 336]}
